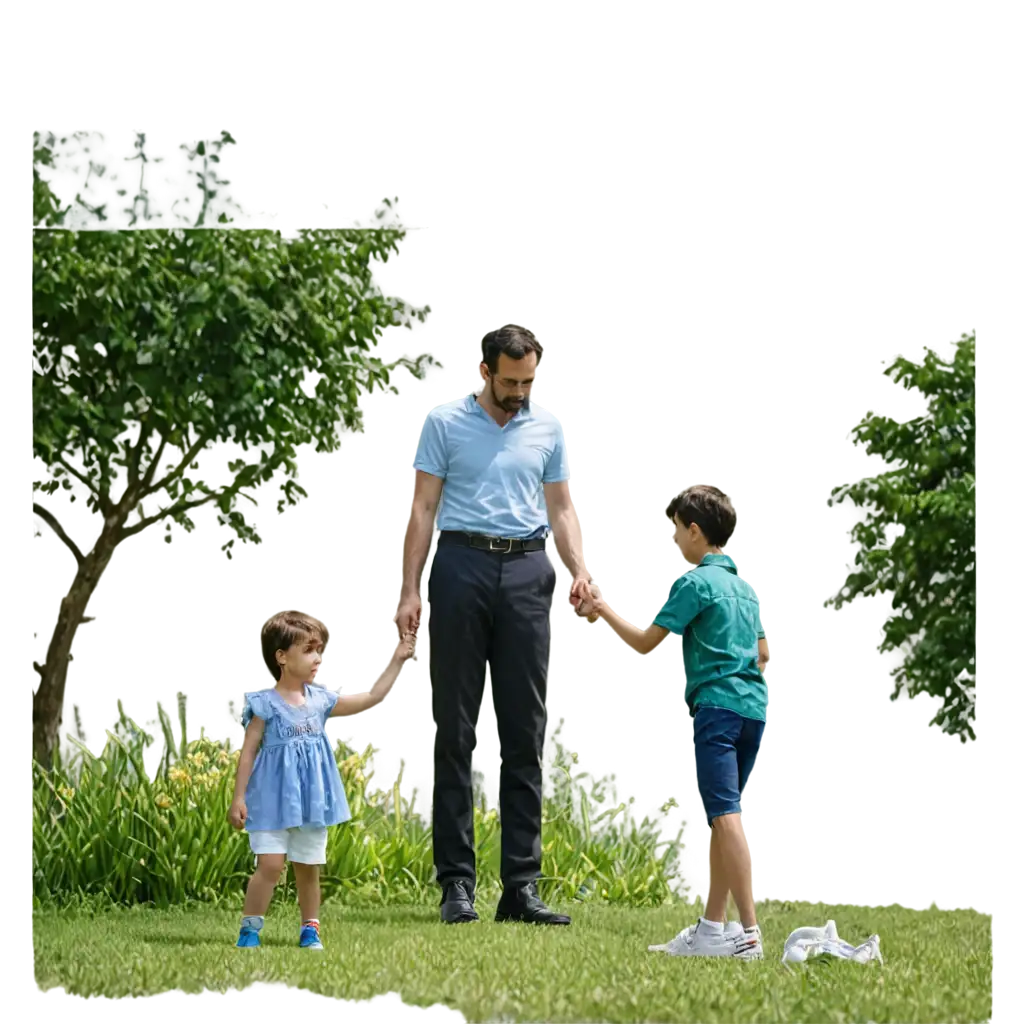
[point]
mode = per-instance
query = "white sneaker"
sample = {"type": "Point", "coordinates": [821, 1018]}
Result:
{"type": "Point", "coordinates": [696, 941]}
{"type": "Point", "coordinates": [748, 944]}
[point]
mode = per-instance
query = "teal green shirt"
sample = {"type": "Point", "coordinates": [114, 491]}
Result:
{"type": "Point", "coordinates": [720, 621]}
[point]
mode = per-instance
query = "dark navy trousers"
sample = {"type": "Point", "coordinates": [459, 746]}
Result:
{"type": "Point", "coordinates": [490, 609]}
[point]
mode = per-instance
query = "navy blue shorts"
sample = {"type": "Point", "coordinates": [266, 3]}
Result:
{"type": "Point", "coordinates": [726, 745]}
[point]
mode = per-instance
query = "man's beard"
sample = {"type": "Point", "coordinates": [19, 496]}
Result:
{"type": "Point", "coordinates": [507, 404]}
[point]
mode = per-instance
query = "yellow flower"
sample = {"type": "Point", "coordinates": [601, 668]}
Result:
{"type": "Point", "coordinates": [222, 759]}
{"type": "Point", "coordinates": [198, 759]}
{"type": "Point", "coordinates": [67, 792]}
{"type": "Point", "coordinates": [179, 775]}
{"type": "Point", "coordinates": [163, 801]}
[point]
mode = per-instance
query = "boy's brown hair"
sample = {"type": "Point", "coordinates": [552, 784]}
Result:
{"type": "Point", "coordinates": [709, 508]}
{"type": "Point", "coordinates": [282, 630]}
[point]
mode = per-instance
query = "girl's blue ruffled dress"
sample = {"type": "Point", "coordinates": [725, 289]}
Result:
{"type": "Point", "coordinates": [295, 779]}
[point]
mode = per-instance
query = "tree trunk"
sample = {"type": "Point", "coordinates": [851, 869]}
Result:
{"type": "Point", "coordinates": [48, 701]}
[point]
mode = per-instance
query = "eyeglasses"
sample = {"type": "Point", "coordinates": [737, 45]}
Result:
{"type": "Point", "coordinates": [515, 385]}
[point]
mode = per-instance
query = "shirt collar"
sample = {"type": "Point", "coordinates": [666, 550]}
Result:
{"type": "Point", "coordinates": [724, 561]}
{"type": "Point", "coordinates": [475, 407]}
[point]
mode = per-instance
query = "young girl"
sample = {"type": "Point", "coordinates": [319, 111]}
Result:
{"type": "Point", "coordinates": [288, 789]}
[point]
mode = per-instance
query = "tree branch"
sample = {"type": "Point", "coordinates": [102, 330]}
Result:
{"type": "Point", "coordinates": [66, 544]}
{"type": "Point", "coordinates": [91, 487]}
{"type": "Point", "coordinates": [147, 477]}
{"type": "Point", "coordinates": [179, 469]}
{"type": "Point", "coordinates": [178, 506]}
{"type": "Point", "coordinates": [136, 454]}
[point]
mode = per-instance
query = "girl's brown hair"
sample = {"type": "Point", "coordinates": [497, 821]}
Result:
{"type": "Point", "coordinates": [282, 630]}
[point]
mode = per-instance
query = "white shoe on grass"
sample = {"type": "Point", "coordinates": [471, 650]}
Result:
{"type": "Point", "coordinates": [748, 944]}
{"type": "Point", "coordinates": [698, 941]}
{"type": "Point", "coordinates": [804, 943]}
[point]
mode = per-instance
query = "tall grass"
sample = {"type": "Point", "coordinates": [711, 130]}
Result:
{"type": "Point", "coordinates": [103, 831]}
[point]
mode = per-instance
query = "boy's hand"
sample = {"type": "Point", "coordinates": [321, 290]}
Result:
{"type": "Point", "coordinates": [406, 648]}
{"type": "Point", "coordinates": [237, 813]}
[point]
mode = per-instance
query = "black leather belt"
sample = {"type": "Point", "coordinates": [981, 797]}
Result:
{"type": "Point", "coordinates": [499, 545]}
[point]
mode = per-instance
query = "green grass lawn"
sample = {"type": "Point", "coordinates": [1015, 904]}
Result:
{"type": "Point", "coordinates": [938, 964]}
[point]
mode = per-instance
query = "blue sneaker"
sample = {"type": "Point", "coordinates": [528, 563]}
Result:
{"type": "Point", "coordinates": [247, 938]}
{"type": "Point", "coordinates": [309, 938]}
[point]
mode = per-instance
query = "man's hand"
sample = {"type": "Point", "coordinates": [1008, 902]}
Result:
{"type": "Point", "coordinates": [407, 618]}
{"type": "Point", "coordinates": [580, 590]}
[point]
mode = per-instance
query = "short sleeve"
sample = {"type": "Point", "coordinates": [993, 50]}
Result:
{"type": "Point", "coordinates": [757, 623]}
{"type": "Point", "coordinates": [432, 453]}
{"type": "Point", "coordinates": [556, 469]}
{"type": "Point", "coordinates": [327, 700]}
{"type": "Point", "coordinates": [256, 705]}
{"type": "Point", "coordinates": [684, 604]}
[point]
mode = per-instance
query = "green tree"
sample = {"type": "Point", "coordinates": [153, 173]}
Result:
{"type": "Point", "coordinates": [151, 346]}
{"type": "Point", "coordinates": [917, 538]}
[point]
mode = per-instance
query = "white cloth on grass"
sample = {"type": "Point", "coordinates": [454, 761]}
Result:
{"type": "Point", "coordinates": [806, 942]}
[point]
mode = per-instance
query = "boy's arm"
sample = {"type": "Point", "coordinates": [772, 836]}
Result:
{"type": "Point", "coordinates": [630, 638]}
{"type": "Point", "coordinates": [762, 653]}
{"type": "Point", "coordinates": [672, 615]}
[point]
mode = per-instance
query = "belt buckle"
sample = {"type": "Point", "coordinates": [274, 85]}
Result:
{"type": "Point", "coordinates": [506, 551]}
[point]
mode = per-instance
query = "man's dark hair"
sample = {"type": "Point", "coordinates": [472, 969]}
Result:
{"type": "Point", "coordinates": [284, 631]}
{"type": "Point", "coordinates": [709, 508]}
{"type": "Point", "coordinates": [513, 340]}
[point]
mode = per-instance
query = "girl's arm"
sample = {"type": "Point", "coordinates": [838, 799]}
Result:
{"type": "Point", "coordinates": [356, 702]}
{"type": "Point", "coordinates": [250, 745]}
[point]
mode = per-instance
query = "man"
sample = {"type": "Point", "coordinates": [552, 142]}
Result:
{"type": "Point", "coordinates": [493, 468]}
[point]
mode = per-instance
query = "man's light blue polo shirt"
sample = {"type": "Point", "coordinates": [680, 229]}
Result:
{"type": "Point", "coordinates": [493, 476]}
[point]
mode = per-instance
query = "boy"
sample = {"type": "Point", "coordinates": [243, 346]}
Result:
{"type": "Point", "coordinates": [724, 653]}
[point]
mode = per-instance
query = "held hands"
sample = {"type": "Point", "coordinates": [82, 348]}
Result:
{"type": "Point", "coordinates": [237, 813]}
{"type": "Point", "coordinates": [591, 608]}
{"type": "Point", "coordinates": [581, 597]}
{"type": "Point", "coordinates": [406, 648]}
{"type": "Point", "coordinates": [407, 618]}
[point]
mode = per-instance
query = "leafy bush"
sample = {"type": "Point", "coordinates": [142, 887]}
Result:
{"type": "Point", "coordinates": [103, 831]}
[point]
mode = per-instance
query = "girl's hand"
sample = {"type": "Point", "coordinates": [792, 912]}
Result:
{"type": "Point", "coordinates": [237, 814]}
{"type": "Point", "coordinates": [406, 648]}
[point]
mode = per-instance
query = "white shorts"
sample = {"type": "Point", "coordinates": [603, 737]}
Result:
{"type": "Point", "coordinates": [301, 845]}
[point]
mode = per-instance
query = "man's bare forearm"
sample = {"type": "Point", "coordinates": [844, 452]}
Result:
{"type": "Point", "coordinates": [569, 542]}
{"type": "Point", "coordinates": [417, 545]}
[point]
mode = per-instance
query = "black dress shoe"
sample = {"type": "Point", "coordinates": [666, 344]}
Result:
{"type": "Point", "coordinates": [457, 903]}
{"type": "Point", "coordinates": [523, 904]}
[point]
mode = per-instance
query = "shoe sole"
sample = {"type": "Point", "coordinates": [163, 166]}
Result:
{"type": "Point", "coordinates": [461, 919]}
{"type": "Point", "coordinates": [508, 920]}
